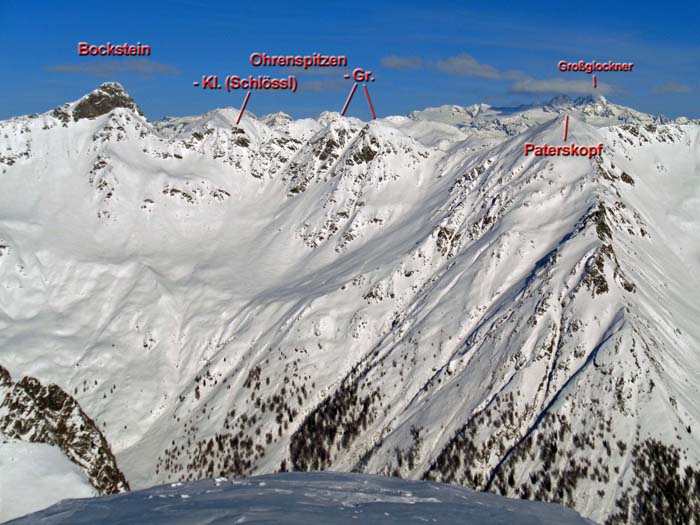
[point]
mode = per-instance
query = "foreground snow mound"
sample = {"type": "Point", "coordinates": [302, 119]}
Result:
{"type": "Point", "coordinates": [308, 498]}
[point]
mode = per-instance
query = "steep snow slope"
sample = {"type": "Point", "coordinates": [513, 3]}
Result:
{"type": "Point", "coordinates": [399, 297]}
{"type": "Point", "coordinates": [35, 476]}
{"type": "Point", "coordinates": [309, 498]}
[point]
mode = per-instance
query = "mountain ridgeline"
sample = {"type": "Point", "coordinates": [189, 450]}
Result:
{"type": "Point", "coordinates": [410, 297]}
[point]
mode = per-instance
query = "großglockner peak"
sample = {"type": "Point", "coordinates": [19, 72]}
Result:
{"type": "Point", "coordinates": [411, 296]}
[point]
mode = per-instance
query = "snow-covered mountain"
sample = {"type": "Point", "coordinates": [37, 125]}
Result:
{"type": "Point", "coordinates": [410, 296]}
{"type": "Point", "coordinates": [486, 120]}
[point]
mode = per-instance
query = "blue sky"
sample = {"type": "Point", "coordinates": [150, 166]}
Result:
{"type": "Point", "coordinates": [422, 53]}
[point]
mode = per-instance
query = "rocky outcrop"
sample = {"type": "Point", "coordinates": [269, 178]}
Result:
{"type": "Point", "coordinates": [104, 99]}
{"type": "Point", "coordinates": [46, 414]}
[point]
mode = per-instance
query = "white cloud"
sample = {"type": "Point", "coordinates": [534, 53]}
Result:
{"type": "Point", "coordinates": [397, 62]}
{"type": "Point", "coordinates": [672, 87]}
{"type": "Point", "coordinates": [326, 84]}
{"type": "Point", "coordinates": [555, 86]}
{"type": "Point", "coordinates": [468, 66]}
{"type": "Point", "coordinates": [107, 68]}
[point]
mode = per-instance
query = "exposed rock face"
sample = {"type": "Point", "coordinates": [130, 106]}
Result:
{"type": "Point", "coordinates": [103, 100]}
{"type": "Point", "coordinates": [5, 378]}
{"type": "Point", "coordinates": [46, 414]}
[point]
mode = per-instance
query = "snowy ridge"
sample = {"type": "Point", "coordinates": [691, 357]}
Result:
{"type": "Point", "coordinates": [402, 297]}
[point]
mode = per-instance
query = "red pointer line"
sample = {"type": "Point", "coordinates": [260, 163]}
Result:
{"type": "Point", "coordinates": [245, 103]}
{"type": "Point", "coordinates": [595, 82]}
{"type": "Point", "coordinates": [369, 101]}
{"type": "Point", "coordinates": [347, 102]}
{"type": "Point", "coordinates": [566, 127]}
